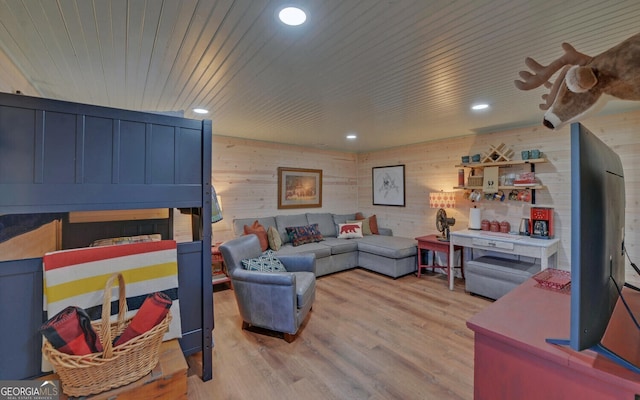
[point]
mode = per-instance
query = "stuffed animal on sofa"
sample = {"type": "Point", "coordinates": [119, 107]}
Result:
{"type": "Point", "coordinates": [585, 83]}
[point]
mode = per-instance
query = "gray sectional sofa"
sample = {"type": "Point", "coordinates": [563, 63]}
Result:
{"type": "Point", "coordinates": [386, 254]}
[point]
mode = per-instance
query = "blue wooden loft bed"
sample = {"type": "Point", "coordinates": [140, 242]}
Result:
{"type": "Point", "coordinates": [59, 157]}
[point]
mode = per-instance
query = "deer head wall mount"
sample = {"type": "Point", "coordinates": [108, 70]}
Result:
{"type": "Point", "coordinates": [585, 83]}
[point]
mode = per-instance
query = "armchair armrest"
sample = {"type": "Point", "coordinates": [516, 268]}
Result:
{"type": "Point", "coordinates": [298, 262]}
{"type": "Point", "coordinates": [266, 278]}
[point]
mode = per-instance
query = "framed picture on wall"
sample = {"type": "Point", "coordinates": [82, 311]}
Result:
{"type": "Point", "coordinates": [388, 186]}
{"type": "Point", "coordinates": [299, 188]}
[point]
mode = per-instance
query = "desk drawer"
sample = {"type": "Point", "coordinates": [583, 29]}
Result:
{"type": "Point", "coordinates": [492, 244]}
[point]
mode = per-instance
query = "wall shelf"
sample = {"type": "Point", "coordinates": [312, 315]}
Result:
{"type": "Point", "coordinates": [505, 164]}
{"type": "Point", "coordinates": [533, 187]}
{"type": "Point", "coordinates": [501, 163]}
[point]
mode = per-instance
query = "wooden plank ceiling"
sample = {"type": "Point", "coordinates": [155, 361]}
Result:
{"type": "Point", "coordinates": [392, 71]}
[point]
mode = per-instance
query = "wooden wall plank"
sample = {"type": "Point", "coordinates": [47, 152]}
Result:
{"type": "Point", "coordinates": [244, 175]}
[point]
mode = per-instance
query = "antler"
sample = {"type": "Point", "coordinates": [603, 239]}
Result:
{"type": "Point", "coordinates": [551, 97]}
{"type": "Point", "coordinates": [543, 73]}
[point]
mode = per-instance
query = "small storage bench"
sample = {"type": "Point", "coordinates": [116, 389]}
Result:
{"type": "Point", "coordinates": [493, 277]}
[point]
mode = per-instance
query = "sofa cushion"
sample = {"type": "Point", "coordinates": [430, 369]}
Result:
{"type": "Point", "coordinates": [284, 221]}
{"type": "Point", "coordinates": [274, 238]}
{"type": "Point", "coordinates": [316, 248]}
{"type": "Point", "coordinates": [299, 235]}
{"type": "Point", "coordinates": [340, 246]}
{"type": "Point", "coordinates": [388, 246]}
{"type": "Point", "coordinates": [350, 230]}
{"type": "Point", "coordinates": [325, 223]}
{"type": "Point", "coordinates": [266, 262]}
{"type": "Point", "coordinates": [257, 229]}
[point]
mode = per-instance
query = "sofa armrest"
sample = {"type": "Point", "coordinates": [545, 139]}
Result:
{"type": "Point", "coordinates": [385, 231]}
{"type": "Point", "coordinates": [299, 262]}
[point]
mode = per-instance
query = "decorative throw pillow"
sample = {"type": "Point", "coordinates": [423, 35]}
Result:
{"type": "Point", "coordinates": [267, 262]}
{"type": "Point", "coordinates": [258, 230]}
{"type": "Point", "coordinates": [366, 229]}
{"type": "Point", "coordinates": [372, 221]}
{"type": "Point", "coordinates": [275, 241]}
{"type": "Point", "coordinates": [373, 224]}
{"type": "Point", "coordinates": [304, 234]}
{"type": "Point", "coordinates": [350, 231]}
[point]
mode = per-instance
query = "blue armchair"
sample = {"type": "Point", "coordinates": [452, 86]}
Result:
{"type": "Point", "coordinates": [279, 301]}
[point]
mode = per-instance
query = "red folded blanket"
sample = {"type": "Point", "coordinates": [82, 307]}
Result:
{"type": "Point", "coordinates": [152, 311]}
{"type": "Point", "coordinates": [70, 332]}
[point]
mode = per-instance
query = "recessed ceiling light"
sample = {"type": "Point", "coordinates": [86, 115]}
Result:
{"type": "Point", "coordinates": [352, 136]}
{"type": "Point", "coordinates": [293, 16]}
{"type": "Point", "coordinates": [482, 106]}
{"type": "Point", "coordinates": [200, 111]}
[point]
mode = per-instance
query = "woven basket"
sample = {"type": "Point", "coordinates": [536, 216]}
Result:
{"type": "Point", "coordinates": [115, 366]}
{"type": "Point", "coordinates": [475, 181]}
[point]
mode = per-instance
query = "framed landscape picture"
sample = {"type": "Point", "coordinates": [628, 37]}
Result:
{"type": "Point", "coordinates": [388, 186]}
{"type": "Point", "coordinates": [299, 188]}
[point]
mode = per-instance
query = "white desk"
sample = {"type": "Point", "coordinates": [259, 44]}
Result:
{"type": "Point", "coordinates": [544, 249]}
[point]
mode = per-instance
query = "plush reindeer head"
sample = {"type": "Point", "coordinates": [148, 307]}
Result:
{"type": "Point", "coordinates": [585, 83]}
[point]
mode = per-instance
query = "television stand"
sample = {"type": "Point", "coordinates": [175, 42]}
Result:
{"type": "Point", "coordinates": [623, 324]}
{"type": "Point", "coordinates": [600, 349]}
{"type": "Point", "coordinates": [514, 361]}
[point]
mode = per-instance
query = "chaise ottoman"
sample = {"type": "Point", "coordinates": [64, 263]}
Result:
{"type": "Point", "coordinates": [389, 255]}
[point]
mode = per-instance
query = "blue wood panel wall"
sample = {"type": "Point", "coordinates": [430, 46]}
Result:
{"type": "Point", "coordinates": [58, 157]}
{"type": "Point", "coordinates": [84, 157]}
{"type": "Point", "coordinates": [21, 316]}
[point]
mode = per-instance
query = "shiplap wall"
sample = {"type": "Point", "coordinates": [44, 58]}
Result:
{"type": "Point", "coordinates": [431, 167]}
{"type": "Point", "coordinates": [244, 175]}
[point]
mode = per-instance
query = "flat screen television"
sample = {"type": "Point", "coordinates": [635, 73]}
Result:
{"type": "Point", "coordinates": [597, 242]}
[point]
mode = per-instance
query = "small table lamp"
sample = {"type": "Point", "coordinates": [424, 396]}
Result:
{"type": "Point", "coordinates": [216, 207]}
{"type": "Point", "coordinates": [442, 200]}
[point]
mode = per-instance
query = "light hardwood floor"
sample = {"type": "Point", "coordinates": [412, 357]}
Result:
{"type": "Point", "coordinates": [367, 337]}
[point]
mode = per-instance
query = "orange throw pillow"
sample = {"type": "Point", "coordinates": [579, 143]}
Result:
{"type": "Point", "coordinates": [373, 224]}
{"type": "Point", "coordinates": [260, 232]}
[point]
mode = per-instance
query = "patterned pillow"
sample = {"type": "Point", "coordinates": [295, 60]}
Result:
{"type": "Point", "coordinates": [350, 231]}
{"type": "Point", "coordinates": [267, 262]}
{"type": "Point", "coordinates": [304, 234]}
{"type": "Point", "coordinates": [275, 241]}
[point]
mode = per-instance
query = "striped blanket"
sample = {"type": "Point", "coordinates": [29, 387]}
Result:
{"type": "Point", "coordinates": [77, 278]}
